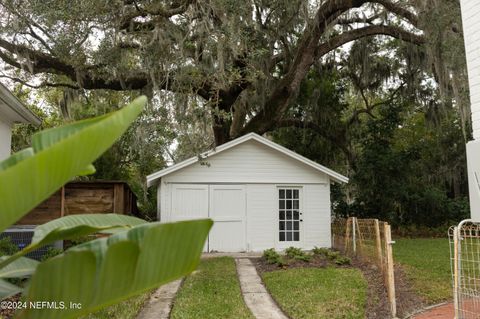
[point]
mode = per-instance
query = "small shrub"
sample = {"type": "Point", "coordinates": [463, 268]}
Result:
{"type": "Point", "coordinates": [342, 260]}
{"type": "Point", "coordinates": [321, 251]}
{"type": "Point", "coordinates": [51, 252]}
{"type": "Point", "coordinates": [306, 258]}
{"type": "Point", "coordinates": [7, 248]}
{"type": "Point", "coordinates": [297, 254]}
{"type": "Point", "coordinates": [272, 257]}
{"type": "Point", "coordinates": [292, 252]}
{"type": "Point", "coordinates": [332, 255]}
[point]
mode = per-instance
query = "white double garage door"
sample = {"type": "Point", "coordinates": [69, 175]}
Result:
{"type": "Point", "coordinates": [224, 204]}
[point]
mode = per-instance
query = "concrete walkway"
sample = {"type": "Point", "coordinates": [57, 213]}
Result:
{"type": "Point", "coordinates": [442, 311]}
{"type": "Point", "coordinates": [160, 303]}
{"type": "Point", "coordinates": [254, 293]}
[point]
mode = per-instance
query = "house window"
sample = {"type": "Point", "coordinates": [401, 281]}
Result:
{"type": "Point", "coordinates": [289, 214]}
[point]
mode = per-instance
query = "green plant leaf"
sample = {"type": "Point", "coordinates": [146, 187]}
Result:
{"type": "Point", "coordinates": [16, 158]}
{"type": "Point", "coordinates": [7, 289]}
{"type": "Point", "coordinates": [22, 267]}
{"type": "Point", "coordinates": [73, 226]}
{"type": "Point", "coordinates": [60, 154]}
{"type": "Point", "coordinates": [107, 270]}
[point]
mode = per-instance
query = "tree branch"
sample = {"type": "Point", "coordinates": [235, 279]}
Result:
{"type": "Point", "coordinates": [305, 56]}
{"type": "Point", "coordinates": [338, 140]}
{"type": "Point", "coordinates": [41, 85]}
{"type": "Point", "coordinates": [398, 10]}
{"type": "Point", "coordinates": [356, 34]}
{"type": "Point", "coordinates": [127, 21]}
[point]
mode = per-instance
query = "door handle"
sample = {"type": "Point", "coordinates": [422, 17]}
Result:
{"type": "Point", "coordinates": [301, 220]}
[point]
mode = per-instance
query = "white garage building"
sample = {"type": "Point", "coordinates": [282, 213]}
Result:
{"type": "Point", "coordinates": [259, 194]}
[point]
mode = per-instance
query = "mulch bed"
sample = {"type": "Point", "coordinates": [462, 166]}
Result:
{"type": "Point", "coordinates": [316, 262]}
{"type": "Point", "coordinates": [8, 313]}
{"type": "Point", "coordinates": [377, 298]}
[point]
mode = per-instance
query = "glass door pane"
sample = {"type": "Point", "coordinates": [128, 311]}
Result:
{"type": "Point", "coordinates": [289, 214]}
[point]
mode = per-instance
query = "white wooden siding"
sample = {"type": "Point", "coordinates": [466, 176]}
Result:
{"type": "Point", "coordinates": [471, 28]}
{"type": "Point", "coordinates": [262, 225]}
{"type": "Point", "coordinates": [316, 216]}
{"type": "Point", "coordinates": [247, 163]}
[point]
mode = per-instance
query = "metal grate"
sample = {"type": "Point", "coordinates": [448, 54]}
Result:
{"type": "Point", "coordinates": [22, 237]}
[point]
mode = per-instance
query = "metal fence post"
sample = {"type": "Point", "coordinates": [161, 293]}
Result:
{"type": "Point", "coordinates": [455, 272]}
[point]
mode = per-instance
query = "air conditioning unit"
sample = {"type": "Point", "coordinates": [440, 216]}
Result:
{"type": "Point", "coordinates": [21, 236]}
{"type": "Point", "coordinates": [473, 161]}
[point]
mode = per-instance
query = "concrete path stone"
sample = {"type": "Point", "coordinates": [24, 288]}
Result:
{"type": "Point", "coordinates": [256, 297]}
{"type": "Point", "coordinates": [160, 303]}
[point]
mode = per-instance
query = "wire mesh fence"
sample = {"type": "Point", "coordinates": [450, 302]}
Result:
{"type": "Point", "coordinates": [370, 241]}
{"type": "Point", "coordinates": [21, 237]}
{"type": "Point", "coordinates": [465, 263]}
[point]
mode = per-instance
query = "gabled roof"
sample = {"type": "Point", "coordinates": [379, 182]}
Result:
{"type": "Point", "coordinates": [13, 110]}
{"type": "Point", "coordinates": [153, 178]}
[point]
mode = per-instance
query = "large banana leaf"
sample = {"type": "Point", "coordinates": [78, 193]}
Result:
{"type": "Point", "coordinates": [7, 289]}
{"type": "Point", "coordinates": [107, 270]}
{"type": "Point", "coordinates": [22, 267]}
{"type": "Point", "coordinates": [73, 226]}
{"type": "Point", "coordinates": [59, 154]}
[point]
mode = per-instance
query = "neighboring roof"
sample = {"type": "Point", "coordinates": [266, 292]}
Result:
{"type": "Point", "coordinates": [152, 178]}
{"type": "Point", "coordinates": [13, 109]}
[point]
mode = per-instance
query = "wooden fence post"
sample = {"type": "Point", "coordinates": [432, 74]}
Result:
{"type": "Point", "coordinates": [347, 235]}
{"type": "Point", "coordinates": [354, 235]}
{"type": "Point", "coordinates": [390, 271]}
{"type": "Point", "coordinates": [378, 241]}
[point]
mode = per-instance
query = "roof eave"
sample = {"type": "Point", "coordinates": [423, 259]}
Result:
{"type": "Point", "coordinates": [339, 178]}
{"type": "Point", "coordinates": [24, 114]}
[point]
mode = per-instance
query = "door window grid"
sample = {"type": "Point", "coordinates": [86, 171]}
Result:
{"type": "Point", "coordinates": [289, 214]}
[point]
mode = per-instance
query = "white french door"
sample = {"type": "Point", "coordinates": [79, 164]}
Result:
{"type": "Point", "coordinates": [289, 231]}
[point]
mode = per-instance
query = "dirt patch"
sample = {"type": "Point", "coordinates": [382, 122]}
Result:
{"type": "Point", "coordinates": [377, 298]}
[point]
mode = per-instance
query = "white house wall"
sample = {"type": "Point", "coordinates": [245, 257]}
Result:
{"type": "Point", "coordinates": [262, 214]}
{"type": "Point", "coordinates": [317, 216]}
{"type": "Point", "coordinates": [471, 30]}
{"type": "Point", "coordinates": [249, 162]}
{"type": "Point", "coordinates": [5, 139]}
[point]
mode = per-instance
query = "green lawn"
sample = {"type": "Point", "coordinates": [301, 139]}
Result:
{"type": "Point", "coordinates": [127, 309]}
{"type": "Point", "coordinates": [213, 291]}
{"type": "Point", "coordinates": [427, 264]}
{"type": "Point", "coordinates": [328, 293]}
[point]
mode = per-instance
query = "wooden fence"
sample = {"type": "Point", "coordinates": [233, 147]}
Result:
{"type": "Point", "coordinates": [369, 240]}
